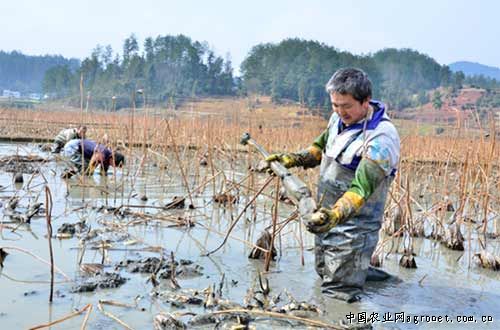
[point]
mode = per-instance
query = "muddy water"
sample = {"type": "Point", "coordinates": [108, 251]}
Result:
{"type": "Point", "coordinates": [446, 283]}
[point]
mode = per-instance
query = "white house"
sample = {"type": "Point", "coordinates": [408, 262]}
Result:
{"type": "Point", "coordinates": [35, 96]}
{"type": "Point", "coordinates": [13, 94]}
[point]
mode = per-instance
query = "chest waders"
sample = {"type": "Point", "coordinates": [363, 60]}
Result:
{"type": "Point", "coordinates": [342, 255]}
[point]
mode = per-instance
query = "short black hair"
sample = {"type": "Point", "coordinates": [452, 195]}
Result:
{"type": "Point", "coordinates": [119, 159]}
{"type": "Point", "coordinates": [351, 81]}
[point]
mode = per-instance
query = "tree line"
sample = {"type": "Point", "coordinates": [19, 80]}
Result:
{"type": "Point", "coordinates": [168, 69]}
{"type": "Point", "coordinates": [297, 70]}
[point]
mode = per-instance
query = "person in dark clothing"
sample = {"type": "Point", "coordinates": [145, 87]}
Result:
{"type": "Point", "coordinates": [85, 155]}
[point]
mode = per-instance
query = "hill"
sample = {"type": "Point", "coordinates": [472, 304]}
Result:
{"type": "Point", "coordinates": [25, 73]}
{"type": "Point", "coordinates": [468, 103]}
{"type": "Point", "coordinates": [475, 69]}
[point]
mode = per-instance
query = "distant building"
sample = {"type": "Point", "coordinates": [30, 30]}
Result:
{"type": "Point", "coordinates": [35, 96]}
{"type": "Point", "coordinates": [12, 94]}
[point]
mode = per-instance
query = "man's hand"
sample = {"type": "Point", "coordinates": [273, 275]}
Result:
{"type": "Point", "coordinates": [94, 161]}
{"type": "Point", "coordinates": [91, 168]}
{"type": "Point", "coordinates": [287, 160]}
{"type": "Point", "coordinates": [323, 220]}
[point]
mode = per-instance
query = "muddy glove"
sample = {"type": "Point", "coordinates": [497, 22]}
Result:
{"type": "Point", "coordinates": [367, 178]}
{"type": "Point", "coordinates": [325, 219]}
{"type": "Point", "coordinates": [287, 159]}
{"type": "Point", "coordinates": [307, 158]}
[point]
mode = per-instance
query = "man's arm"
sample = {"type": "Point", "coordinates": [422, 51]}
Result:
{"type": "Point", "coordinates": [97, 158]}
{"type": "Point", "coordinates": [366, 180]}
{"type": "Point", "coordinates": [377, 163]}
{"type": "Point", "coordinates": [310, 157]}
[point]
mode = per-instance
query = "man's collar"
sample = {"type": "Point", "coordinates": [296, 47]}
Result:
{"type": "Point", "coordinates": [374, 116]}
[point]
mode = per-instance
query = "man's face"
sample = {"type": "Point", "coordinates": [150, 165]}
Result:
{"type": "Point", "coordinates": [348, 108]}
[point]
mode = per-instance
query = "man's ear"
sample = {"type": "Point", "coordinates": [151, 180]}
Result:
{"type": "Point", "coordinates": [366, 103]}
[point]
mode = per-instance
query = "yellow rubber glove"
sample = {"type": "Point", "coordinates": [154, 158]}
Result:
{"type": "Point", "coordinates": [287, 160]}
{"type": "Point", "coordinates": [325, 219]}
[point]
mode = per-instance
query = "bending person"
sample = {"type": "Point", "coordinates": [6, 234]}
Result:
{"type": "Point", "coordinates": [67, 135]}
{"type": "Point", "coordinates": [85, 155]}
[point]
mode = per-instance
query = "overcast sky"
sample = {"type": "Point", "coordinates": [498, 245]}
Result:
{"type": "Point", "coordinates": [447, 30]}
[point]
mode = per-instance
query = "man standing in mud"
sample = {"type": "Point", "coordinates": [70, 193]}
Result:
{"type": "Point", "coordinates": [359, 155]}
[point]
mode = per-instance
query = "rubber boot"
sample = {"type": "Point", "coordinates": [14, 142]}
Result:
{"type": "Point", "coordinates": [377, 275]}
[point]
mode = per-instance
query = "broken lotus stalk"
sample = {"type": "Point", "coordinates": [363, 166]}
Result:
{"type": "Point", "coordinates": [295, 187]}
